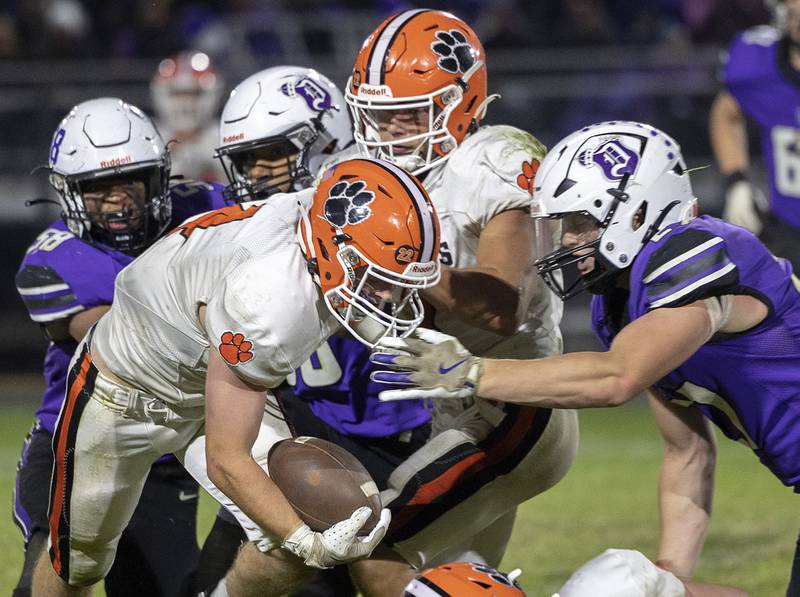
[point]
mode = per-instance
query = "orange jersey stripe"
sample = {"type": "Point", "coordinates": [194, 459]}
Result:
{"type": "Point", "coordinates": [60, 456]}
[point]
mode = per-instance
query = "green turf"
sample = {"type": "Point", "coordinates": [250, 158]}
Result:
{"type": "Point", "coordinates": [608, 499]}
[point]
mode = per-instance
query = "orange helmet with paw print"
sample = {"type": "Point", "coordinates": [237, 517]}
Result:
{"type": "Point", "coordinates": [371, 240]}
{"type": "Point", "coordinates": [425, 60]}
{"type": "Point", "coordinates": [462, 579]}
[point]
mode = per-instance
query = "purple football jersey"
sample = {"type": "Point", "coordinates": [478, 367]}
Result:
{"type": "Point", "coordinates": [766, 87]}
{"type": "Point", "coordinates": [335, 381]}
{"type": "Point", "coordinates": [61, 275]}
{"type": "Point", "coordinates": [748, 384]}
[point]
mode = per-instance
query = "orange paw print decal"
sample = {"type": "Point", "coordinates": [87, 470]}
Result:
{"type": "Point", "coordinates": [235, 349]}
{"type": "Point", "coordinates": [525, 178]}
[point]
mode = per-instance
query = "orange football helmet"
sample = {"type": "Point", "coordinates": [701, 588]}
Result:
{"type": "Point", "coordinates": [371, 240]}
{"type": "Point", "coordinates": [462, 579]}
{"type": "Point", "coordinates": [414, 61]}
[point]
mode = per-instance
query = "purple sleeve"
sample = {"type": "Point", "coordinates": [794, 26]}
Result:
{"type": "Point", "coordinates": [61, 275]}
{"type": "Point", "coordinates": [751, 65]}
{"type": "Point", "coordinates": [687, 265]}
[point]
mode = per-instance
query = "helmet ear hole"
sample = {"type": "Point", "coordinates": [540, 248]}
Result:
{"type": "Point", "coordinates": [639, 217]}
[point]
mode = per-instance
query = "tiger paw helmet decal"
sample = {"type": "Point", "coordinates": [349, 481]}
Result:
{"type": "Point", "coordinates": [235, 349]}
{"type": "Point", "coordinates": [347, 203]}
{"type": "Point", "coordinates": [456, 55]}
{"type": "Point", "coordinates": [525, 178]}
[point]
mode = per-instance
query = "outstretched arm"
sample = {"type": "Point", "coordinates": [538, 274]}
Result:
{"type": "Point", "coordinates": [642, 353]}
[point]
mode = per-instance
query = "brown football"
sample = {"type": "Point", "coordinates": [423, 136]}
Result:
{"type": "Point", "coordinates": [323, 482]}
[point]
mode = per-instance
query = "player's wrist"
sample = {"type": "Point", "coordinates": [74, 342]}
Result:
{"type": "Point", "coordinates": [734, 177]}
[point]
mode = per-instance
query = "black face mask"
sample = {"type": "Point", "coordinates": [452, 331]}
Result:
{"type": "Point", "coordinates": [560, 271]}
{"type": "Point", "coordinates": [140, 226]}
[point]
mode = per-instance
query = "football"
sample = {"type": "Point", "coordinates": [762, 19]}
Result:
{"type": "Point", "coordinates": [323, 482]}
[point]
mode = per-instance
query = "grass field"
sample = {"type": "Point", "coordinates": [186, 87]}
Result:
{"type": "Point", "coordinates": [607, 500]}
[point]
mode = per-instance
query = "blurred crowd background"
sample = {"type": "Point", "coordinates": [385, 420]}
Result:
{"type": "Point", "coordinates": [558, 64]}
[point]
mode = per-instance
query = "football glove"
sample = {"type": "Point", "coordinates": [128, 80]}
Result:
{"type": "Point", "coordinates": [430, 365]}
{"type": "Point", "coordinates": [338, 544]}
{"type": "Point", "coordinates": [744, 203]}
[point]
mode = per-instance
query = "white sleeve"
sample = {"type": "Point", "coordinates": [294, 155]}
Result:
{"type": "Point", "coordinates": [501, 169]}
{"type": "Point", "coordinates": [238, 330]}
{"type": "Point", "coordinates": [622, 573]}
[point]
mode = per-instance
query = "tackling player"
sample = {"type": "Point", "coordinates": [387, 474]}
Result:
{"type": "Point", "coordinates": [111, 171]}
{"type": "Point", "coordinates": [762, 83]}
{"type": "Point", "coordinates": [202, 326]}
{"type": "Point", "coordinates": [418, 94]}
{"type": "Point", "coordinates": [693, 309]}
{"type": "Point", "coordinates": [186, 90]}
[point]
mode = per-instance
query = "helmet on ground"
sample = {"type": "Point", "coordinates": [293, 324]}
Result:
{"type": "Point", "coordinates": [105, 144]}
{"type": "Point", "coordinates": [371, 240]}
{"type": "Point", "coordinates": [462, 579]}
{"type": "Point", "coordinates": [608, 188]}
{"type": "Point", "coordinates": [186, 90]}
{"type": "Point", "coordinates": [281, 124]}
{"type": "Point", "coordinates": [423, 62]}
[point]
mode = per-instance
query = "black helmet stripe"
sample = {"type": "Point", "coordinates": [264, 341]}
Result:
{"type": "Point", "coordinates": [376, 65]}
{"type": "Point", "coordinates": [428, 237]}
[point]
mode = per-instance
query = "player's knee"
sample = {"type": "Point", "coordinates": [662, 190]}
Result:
{"type": "Point", "coordinates": [89, 563]}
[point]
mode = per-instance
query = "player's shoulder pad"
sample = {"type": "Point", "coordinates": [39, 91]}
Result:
{"type": "Point", "coordinates": [748, 54]}
{"type": "Point", "coordinates": [501, 149]}
{"type": "Point", "coordinates": [46, 278]}
{"type": "Point", "coordinates": [682, 264]}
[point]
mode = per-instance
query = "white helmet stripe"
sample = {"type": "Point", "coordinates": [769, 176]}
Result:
{"type": "Point", "coordinates": [428, 236]}
{"type": "Point", "coordinates": [378, 55]}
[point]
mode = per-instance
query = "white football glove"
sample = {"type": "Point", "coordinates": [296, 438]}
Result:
{"type": "Point", "coordinates": [621, 573]}
{"type": "Point", "coordinates": [743, 201]}
{"type": "Point", "coordinates": [340, 543]}
{"type": "Point", "coordinates": [430, 365]}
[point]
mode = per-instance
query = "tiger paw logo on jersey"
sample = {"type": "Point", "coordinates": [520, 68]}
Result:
{"type": "Point", "coordinates": [347, 203]}
{"type": "Point", "coordinates": [525, 178]}
{"type": "Point", "coordinates": [235, 349]}
{"type": "Point", "coordinates": [455, 53]}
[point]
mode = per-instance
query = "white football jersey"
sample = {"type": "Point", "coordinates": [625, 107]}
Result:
{"type": "Point", "coordinates": [483, 177]}
{"type": "Point", "coordinates": [264, 313]}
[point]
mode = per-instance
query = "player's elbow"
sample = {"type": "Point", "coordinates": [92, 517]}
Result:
{"type": "Point", "coordinates": [618, 389]}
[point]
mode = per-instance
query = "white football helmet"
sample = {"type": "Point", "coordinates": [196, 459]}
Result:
{"type": "Point", "coordinates": [106, 139]}
{"type": "Point", "coordinates": [186, 91]}
{"type": "Point", "coordinates": [624, 180]}
{"type": "Point", "coordinates": [296, 114]}
{"type": "Point", "coordinates": [621, 573]}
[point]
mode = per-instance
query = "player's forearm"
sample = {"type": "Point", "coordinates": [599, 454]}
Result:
{"type": "Point", "coordinates": [728, 135]}
{"type": "Point", "coordinates": [478, 297]}
{"type": "Point", "coordinates": [575, 380]}
{"type": "Point", "coordinates": [686, 491]}
{"type": "Point", "coordinates": [250, 488]}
